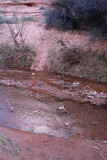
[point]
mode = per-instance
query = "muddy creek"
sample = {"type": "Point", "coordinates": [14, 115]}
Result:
{"type": "Point", "coordinates": [56, 105]}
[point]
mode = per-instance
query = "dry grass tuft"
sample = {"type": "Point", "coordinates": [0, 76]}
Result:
{"type": "Point", "coordinates": [8, 146]}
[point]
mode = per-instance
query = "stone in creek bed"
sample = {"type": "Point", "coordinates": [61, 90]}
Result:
{"type": "Point", "coordinates": [67, 124]}
{"type": "Point", "coordinates": [33, 74]}
{"type": "Point", "coordinates": [62, 110]}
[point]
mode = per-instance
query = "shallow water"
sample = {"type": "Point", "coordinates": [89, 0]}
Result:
{"type": "Point", "coordinates": [32, 101]}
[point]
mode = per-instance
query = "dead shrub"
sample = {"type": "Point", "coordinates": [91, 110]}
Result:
{"type": "Point", "coordinates": [61, 61]}
{"type": "Point", "coordinates": [16, 57]}
{"type": "Point", "coordinates": [5, 55]}
{"type": "Point", "coordinates": [78, 62]}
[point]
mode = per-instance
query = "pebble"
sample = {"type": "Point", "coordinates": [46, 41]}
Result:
{"type": "Point", "coordinates": [67, 124]}
{"type": "Point", "coordinates": [33, 74]}
{"type": "Point", "coordinates": [61, 108]}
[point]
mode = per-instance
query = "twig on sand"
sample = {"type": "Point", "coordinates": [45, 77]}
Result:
{"type": "Point", "coordinates": [26, 115]}
{"type": "Point", "coordinates": [96, 148]}
{"type": "Point", "coordinates": [10, 106]}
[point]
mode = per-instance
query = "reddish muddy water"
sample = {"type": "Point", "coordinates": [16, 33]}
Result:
{"type": "Point", "coordinates": [46, 116]}
{"type": "Point", "coordinates": [56, 105]}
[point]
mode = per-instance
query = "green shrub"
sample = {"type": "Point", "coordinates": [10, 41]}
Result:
{"type": "Point", "coordinates": [88, 15]}
{"type": "Point", "coordinates": [29, 18]}
{"type": "Point", "coordinates": [41, 8]}
{"type": "Point", "coordinates": [91, 15]}
{"type": "Point", "coordinates": [2, 20]}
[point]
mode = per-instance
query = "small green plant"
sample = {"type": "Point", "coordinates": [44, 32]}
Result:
{"type": "Point", "coordinates": [15, 1]}
{"type": "Point", "coordinates": [41, 8]}
{"type": "Point", "coordinates": [8, 20]}
{"type": "Point", "coordinates": [2, 12]}
{"type": "Point", "coordinates": [2, 20]}
{"type": "Point", "coordinates": [13, 20]}
{"type": "Point", "coordinates": [29, 18]}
